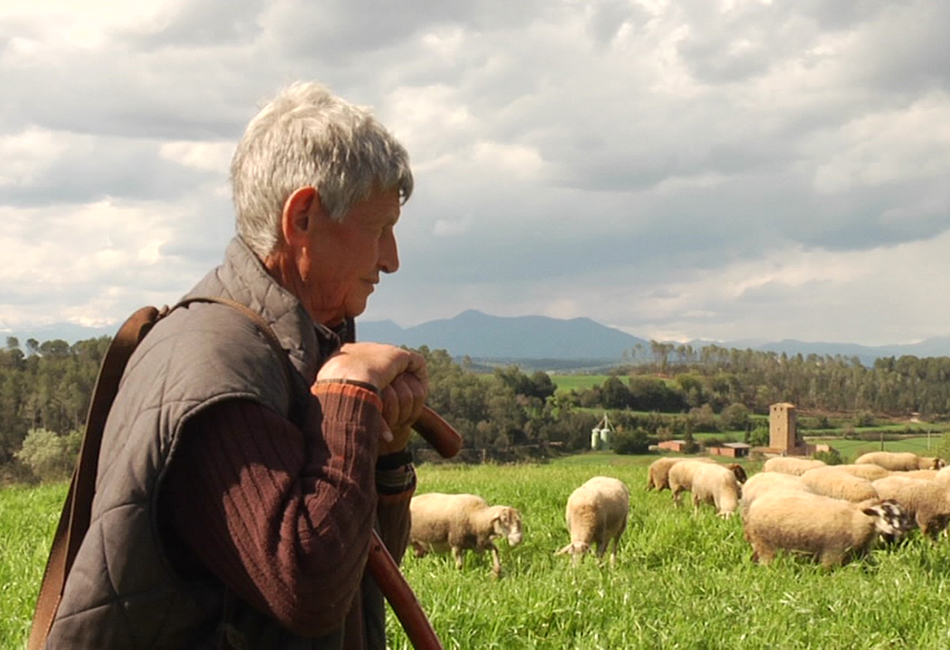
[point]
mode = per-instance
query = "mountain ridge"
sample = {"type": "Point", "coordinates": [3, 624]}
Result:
{"type": "Point", "coordinates": [579, 341]}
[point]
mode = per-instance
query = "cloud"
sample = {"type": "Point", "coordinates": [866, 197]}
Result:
{"type": "Point", "coordinates": [732, 169]}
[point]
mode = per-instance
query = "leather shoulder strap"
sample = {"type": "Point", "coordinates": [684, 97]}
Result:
{"type": "Point", "coordinates": [74, 519]}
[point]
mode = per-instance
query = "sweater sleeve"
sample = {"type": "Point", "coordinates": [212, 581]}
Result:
{"type": "Point", "coordinates": [281, 516]}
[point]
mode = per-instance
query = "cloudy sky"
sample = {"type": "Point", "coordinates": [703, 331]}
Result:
{"type": "Point", "coordinates": [733, 169]}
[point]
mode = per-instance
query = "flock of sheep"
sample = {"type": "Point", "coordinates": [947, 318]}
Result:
{"type": "Point", "coordinates": [828, 512]}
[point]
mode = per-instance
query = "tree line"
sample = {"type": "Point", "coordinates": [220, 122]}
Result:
{"type": "Point", "coordinates": [45, 390]}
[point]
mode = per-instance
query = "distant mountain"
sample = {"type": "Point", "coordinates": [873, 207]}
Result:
{"type": "Point", "coordinates": [548, 342]}
{"type": "Point", "coordinates": [482, 336]}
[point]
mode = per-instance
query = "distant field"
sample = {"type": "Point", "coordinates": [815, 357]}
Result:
{"type": "Point", "coordinates": [851, 449]}
{"type": "Point", "coordinates": [567, 383]}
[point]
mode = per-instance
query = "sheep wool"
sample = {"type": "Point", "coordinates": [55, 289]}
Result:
{"type": "Point", "coordinates": [867, 471]}
{"type": "Point", "coordinates": [830, 482]}
{"type": "Point", "coordinates": [791, 465]}
{"type": "Point", "coordinates": [710, 483]}
{"type": "Point", "coordinates": [596, 514]}
{"type": "Point", "coordinates": [765, 482]}
{"type": "Point", "coordinates": [460, 522]}
{"type": "Point", "coordinates": [658, 474]}
{"type": "Point", "coordinates": [827, 529]}
{"type": "Point", "coordinates": [900, 461]}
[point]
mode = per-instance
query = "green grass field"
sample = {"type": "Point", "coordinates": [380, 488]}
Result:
{"type": "Point", "coordinates": [683, 579]}
{"type": "Point", "coordinates": [567, 383]}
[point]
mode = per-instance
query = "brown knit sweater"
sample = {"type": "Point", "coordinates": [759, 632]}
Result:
{"type": "Point", "coordinates": [283, 517]}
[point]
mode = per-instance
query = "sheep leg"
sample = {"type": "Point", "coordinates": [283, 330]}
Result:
{"type": "Point", "coordinates": [420, 549]}
{"type": "Point", "coordinates": [762, 553]}
{"type": "Point", "coordinates": [457, 553]}
{"type": "Point", "coordinates": [676, 494]}
{"type": "Point", "coordinates": [495, 559]}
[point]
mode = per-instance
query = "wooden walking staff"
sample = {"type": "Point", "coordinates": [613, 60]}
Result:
{"type": "Point", "coordinates": [447, 441]}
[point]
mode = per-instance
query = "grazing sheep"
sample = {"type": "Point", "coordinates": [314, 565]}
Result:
{"type": "Point", "coordinates": [461, 522]}
{"type": "Point", "coordinates": [866, 470]}
{"type": "Point", "coordinates": [681, 477]}
{"type": "Point", "coordinates": [927, 501]}
{"type": "Point", "coordinates": [839, 485]}
{"type": "Point", "coordinates": [709, 483]}
{"type": "Point", "coordinates": [765, 482]}
{"type": "Point", "coordinates": [659, 472]}
{"type": "Point", "coordinates": [827, 529]}
{"type": "Point", "coordinates": [900, 461]}
{"type": "Point", "coordinates": [596, 513]}
{"type": "Point", "coordinates": [791, 465]}
{"type": "Point", "coordinates": [736, 469]}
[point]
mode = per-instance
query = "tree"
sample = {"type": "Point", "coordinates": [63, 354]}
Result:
{"type": "Point", "coordinates": [48, 455]}
{"type": "Point", "coordinates": [735, 417]}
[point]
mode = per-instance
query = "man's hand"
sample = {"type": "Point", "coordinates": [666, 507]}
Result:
{"type": "Point", "coordinates": [399, 375]}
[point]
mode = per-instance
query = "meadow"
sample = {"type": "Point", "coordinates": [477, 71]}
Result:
{"type": "Point", "coordinates": [683, 579]}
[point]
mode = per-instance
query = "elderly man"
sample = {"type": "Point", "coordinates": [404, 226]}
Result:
{"type": "Point", "coordinates": [236, 499]}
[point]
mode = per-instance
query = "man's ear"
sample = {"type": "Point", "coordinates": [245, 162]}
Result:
{"type": "Point", "coordinates": [300, 209]}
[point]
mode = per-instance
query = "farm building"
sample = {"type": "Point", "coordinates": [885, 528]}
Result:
{"type": "Point", "coordinates": [730, 450]}
{"type": "Point", "coordinates": [672, 445]}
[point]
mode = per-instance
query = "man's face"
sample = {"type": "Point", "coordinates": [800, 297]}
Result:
{"type": "Point", "coordinates": [347, 257]}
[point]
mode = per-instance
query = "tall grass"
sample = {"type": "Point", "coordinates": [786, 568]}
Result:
{"type": "Point", "coordinates": [683, 579]}
{"type": "Point", "coordinates": [28, 517]}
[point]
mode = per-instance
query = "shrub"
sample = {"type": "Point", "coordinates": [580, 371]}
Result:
{"type": "Point", "coordinates": [832, 457]}
{"type": "Point", "coordinates": [864, 419]}
{"type": "Point", "coordinates": [636, 441]}
{"type": "Point", "coordinates": [50, 456]}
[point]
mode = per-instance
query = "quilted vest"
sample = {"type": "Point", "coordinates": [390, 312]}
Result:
{"type": "Point", "coordinates": [122, 591]}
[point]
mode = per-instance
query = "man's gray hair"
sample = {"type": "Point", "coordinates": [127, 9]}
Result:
{"type": "Point", "coordinates": [308, 137]}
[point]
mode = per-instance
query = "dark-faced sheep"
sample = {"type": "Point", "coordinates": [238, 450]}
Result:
{"type": "Point", "coordinates": [596, 514]}
{"type": "Point", "coordinates": [460, 522]}
{"type": "Point", "coordinates": [826, 529]}
{"type": "Point", "coordinates": [927, 501]}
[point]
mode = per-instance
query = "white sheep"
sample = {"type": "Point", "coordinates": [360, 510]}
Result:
{"type": "Point", "coordinates": [831, 482]}
{"type": "Point", "coordinates": [596, 513]}
{"type": "Point", "coordinates": [900, 461]}
{"type": "Point", "coordinates": [827, 529]}
{"type": "Point", "coordinates": [709, 483]}
{"type": "Point", "coordinates": [461, 522]}
{"type": "Point", "coordinates": [658, 474]}
{"type": "Point", "coordinates": [765, 482]}
{"type": "Point", "coordinates": [927, 501]}
{"type": "Point", "coordinates": [868, 471]}
{"type": "Point", "coordinates": [927, 474]}
{"type": "Point", "coordinates": [791, 465]}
